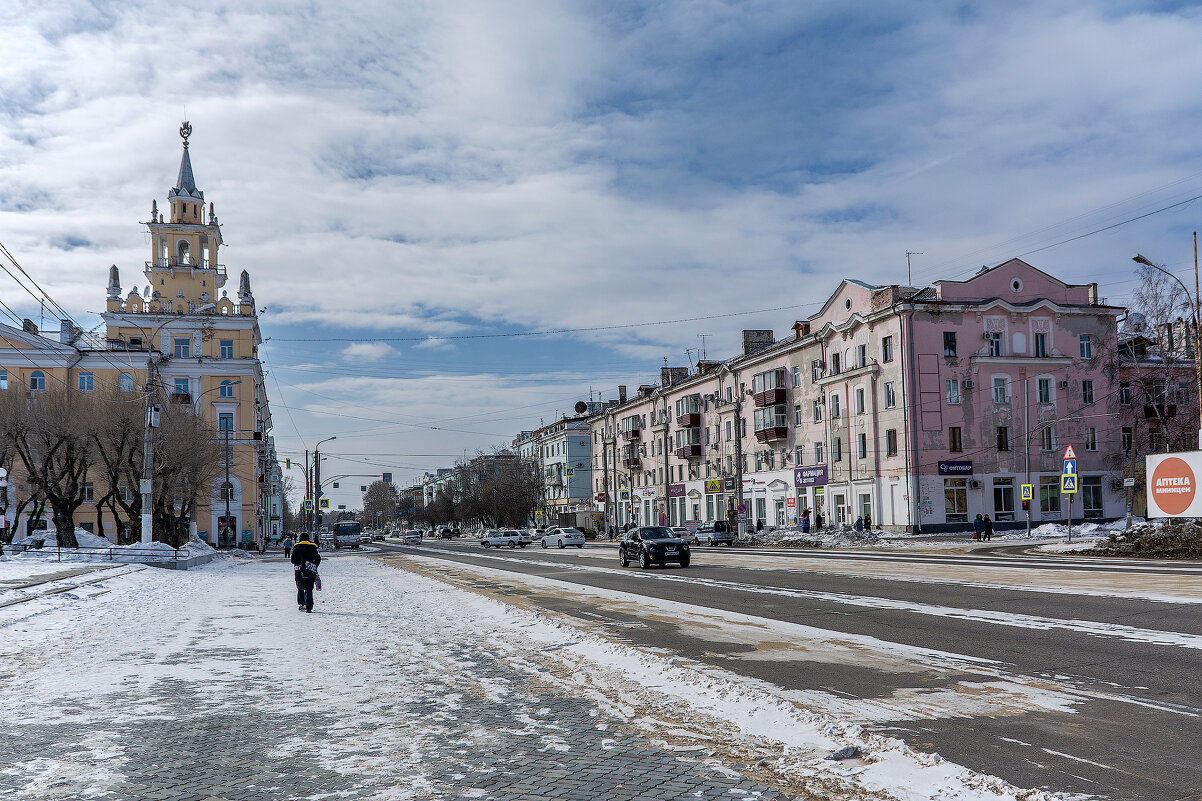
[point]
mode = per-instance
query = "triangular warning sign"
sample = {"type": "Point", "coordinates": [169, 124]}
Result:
{"type": "Point", "coordinates": [1069, 453]}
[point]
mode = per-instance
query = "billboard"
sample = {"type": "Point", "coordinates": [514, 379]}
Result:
{"type": "Point", "coordinates": [1172, 484]}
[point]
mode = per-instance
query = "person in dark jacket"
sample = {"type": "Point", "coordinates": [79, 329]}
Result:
{"type": "Point", "coordinates": [305, 559]}
{"type": "Point", "coordinates": [978, 528]}
{"type": "Point", "coordinates": [988, 528]}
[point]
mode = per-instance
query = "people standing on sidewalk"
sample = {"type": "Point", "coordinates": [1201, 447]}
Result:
{"type": "Point", "coordinates": [288, 546]}
{"type": "Point", "coordinates": [868, 521]}
{"type": "Point", "coordinates": [805, 521]}
{"type": "Point", "coordinates": [305, 559]}
{"type": "Point", "coordinates": [978, 528]}
{"type": "Point", "coordinates": [988, 528]}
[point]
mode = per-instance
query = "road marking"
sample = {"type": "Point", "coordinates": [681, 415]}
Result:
{"type": "Point", "coordinates": [1077, 759]}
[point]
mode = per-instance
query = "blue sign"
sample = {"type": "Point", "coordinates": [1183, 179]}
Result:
{"type": "Point", "coordinates": [1070, 466]}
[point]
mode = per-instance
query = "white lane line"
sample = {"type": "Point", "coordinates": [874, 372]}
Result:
{"type": "Point", "coordinates": [989, 616]}
{"type": "Point", "coordinates": [1077, 758]}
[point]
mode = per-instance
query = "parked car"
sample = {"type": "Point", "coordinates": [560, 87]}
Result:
{"type": "Point", "coordinates": [684, 534]}
{"type": "Point", "coordinates": [650, 545]}
{"type": "Point", "coordinates": [719, 532]}
{"type": "Point", "coordinates": [496, 539]}
{"type": "Point", "coordinates": [563, 537]}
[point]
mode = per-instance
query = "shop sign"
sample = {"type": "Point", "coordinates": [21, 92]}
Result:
{"type": "Point", "coordinates": [713, 485]}
{"type": "Point", "coordinates": [809, 476]}
{"type": "Point", "coordinates": [791, 502]}
{"type": "Point", "coordinates": [676, 490]}
{"type": "Point", "coordinates": [1172, 485]}
{"type": "Point", "coordinates": [961, 468]}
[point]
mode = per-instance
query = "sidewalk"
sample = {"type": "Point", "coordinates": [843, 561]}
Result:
{"type": "Point", "coordinates": [209, 685]}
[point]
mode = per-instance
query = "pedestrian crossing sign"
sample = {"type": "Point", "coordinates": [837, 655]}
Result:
{"type": "Point", "coordinates": [1028, 492]}
{"type": "Point", "coordinates": [570, 472]}
{"type": "Point", "coordinates": [1068, 482]}
{"type": "Point", "coordinates": [323, 503]}
{"type": "Point", "coordinates": [308, 504]}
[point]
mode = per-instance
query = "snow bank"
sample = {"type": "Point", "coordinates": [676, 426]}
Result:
{"type": "Point", "coordinates": [92, 548]}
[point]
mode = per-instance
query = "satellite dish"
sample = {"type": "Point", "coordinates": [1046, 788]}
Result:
{"type": "Point", "coordinates": [581, 407]}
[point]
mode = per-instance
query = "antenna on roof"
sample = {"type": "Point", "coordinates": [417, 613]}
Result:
{"type": "Point", "coordinates": [910, 253]}
{"type": "Point", "coordinates": [702, 337]}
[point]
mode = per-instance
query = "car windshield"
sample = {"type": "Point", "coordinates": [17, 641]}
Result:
{"type": "Point", "coordinates": [568, 531]}
{"type": "Point", "coordinates": [656, 533]}
{"type": "Point", "coordinates": [513, 533]}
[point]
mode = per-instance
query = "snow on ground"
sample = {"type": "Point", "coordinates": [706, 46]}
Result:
{"type": "Point", "coordinates": [96, 549]}
{"type": "Point", "coordinates": [389, 667]}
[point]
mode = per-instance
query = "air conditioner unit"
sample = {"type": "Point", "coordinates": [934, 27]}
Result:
{"type": "Point", "coordinates": [975, 484]}
{"type": "Point", "coordinates": [968, 384]}
{"type": "Point", "coordinates": [1116, 484]}
{"type": "Point", "coordinates": [1063, 385]}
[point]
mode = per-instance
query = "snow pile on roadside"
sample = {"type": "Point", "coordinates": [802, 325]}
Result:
{"type": "Point", "coordinates": [1172, 538]}
{"type": "Point", "coordinates": [824, 538]}
{"type": "Point", "coordinates": [92, 548]}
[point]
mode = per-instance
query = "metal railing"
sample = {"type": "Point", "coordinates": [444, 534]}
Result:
{"type": "Point", "coordinates": [108, 554]}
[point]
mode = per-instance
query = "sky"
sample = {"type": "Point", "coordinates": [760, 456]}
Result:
{"type": "Point", "coordinates": [415, 187]}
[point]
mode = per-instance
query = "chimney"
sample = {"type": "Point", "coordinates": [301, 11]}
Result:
{"type": "Point", "coordinates": [64, 332]}
{"type": "Point", "coordinates": [672, 375]}
{"type": "Point", "coordinates": [28, 326]}
{"type": "Point", "coordinates": [756, 340]}
{"type": "Point", "coordinates": [621, 394]}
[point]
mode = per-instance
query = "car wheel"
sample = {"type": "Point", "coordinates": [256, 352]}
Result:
{"type": "Point", "coordinates": [486, 544]}
{"type": "Point", "coordinates": [645, 560]}
{"type": "Point", "coordinates": [512, 544]}
{"type": "Point", "coordinates": [521, 545]}
{"type": "Point", "coordinates": [581, 546]}
{"type": "Point", "coordinates": [543, 543]}
{"type": "Point", "coordinates": [561, 545]}
{"type": "Point", "coordinates": [622, 560]}
{"type": "Point", "coordinates": [684, 561]}
{"type": "Point", "coordinates": [711, 542]}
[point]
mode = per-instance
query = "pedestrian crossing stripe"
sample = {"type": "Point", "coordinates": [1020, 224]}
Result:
{"type": "Point", "coordinates": [1068, 482]}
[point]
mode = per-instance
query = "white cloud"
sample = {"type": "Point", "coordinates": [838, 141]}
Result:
{"type": "Point", "coordinates": [435, 343]}
{"type": "Point", "coordinates": [368, 351]}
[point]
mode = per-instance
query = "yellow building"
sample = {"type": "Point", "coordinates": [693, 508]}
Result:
{"type": "Point", "coordinates": [201, 346]}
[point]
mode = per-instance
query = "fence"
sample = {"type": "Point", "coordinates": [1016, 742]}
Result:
{"type": "Point", "coordinates": [112, 554]}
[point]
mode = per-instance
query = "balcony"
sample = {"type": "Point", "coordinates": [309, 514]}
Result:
{"type": "Point", "coordinates": [771, 433]}
{"type": "Point", "coordinates": [689, 420]}
{"type": "Point", "coordinates": [631, 434]}
{"type": "Point", "coordinates": [631, 461]}
{"type": "Point", "coordinates": [692, 451]}
{"type": "Point", "coordinates": [770, 397]}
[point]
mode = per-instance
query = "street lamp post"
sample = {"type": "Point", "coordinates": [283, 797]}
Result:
{"type": "Point", "coordinates": [227, 489]}
{"type": "Point", "coordinates": [317, 479]}
{"type": "Point", "coordinates": [1194, 308]}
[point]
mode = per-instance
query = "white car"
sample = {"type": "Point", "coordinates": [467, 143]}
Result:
{"type": "Point", "coordinates": [495, 539]}
{"type": "Point", "coordinates": [563, 537]}
{"type": "Point", "coordinates": [411, 538]}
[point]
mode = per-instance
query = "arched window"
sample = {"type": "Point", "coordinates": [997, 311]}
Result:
{"type": "Point", "coordinates": [183, 254]}
{"type": "Point", "coordinates": [125, 382]}
{"type": "Point", "coordinates": [37, 380]}
{"type": "Point", "coordinates": [227, 389]}
{"type": "Point", "coordinates": [227, 491]}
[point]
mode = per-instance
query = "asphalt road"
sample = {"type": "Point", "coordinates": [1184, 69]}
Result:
{"type": "Point", "coordinates": [1031, 668]}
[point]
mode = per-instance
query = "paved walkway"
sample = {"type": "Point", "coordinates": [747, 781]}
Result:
{"type": "Point", "coordinates": [210, 686]}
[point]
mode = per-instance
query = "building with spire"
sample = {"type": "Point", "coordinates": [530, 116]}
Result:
{"type": "Point", "coordinates": [183, 335]}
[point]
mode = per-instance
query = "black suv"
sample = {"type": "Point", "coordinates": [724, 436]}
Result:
{"type": "Point", "coordinates": [650, 545]}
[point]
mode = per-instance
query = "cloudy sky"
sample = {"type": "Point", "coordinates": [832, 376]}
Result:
{"type": "Point", "coordinates": [407, 180]}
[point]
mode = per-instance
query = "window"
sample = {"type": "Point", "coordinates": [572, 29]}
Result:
{"type": "Point", "coordinates": [1047, 438]}
{"type": "Point", "coordinates": [953, 439]}
{"type": "Point", "coordinates": [1091, 496]}
{"type": "Point", "coordinates": [87, 492]}
{"type": "Point", "coordinates": [834, 406]}
{"type": "Point", "coordinates": [1003, 499]}
{"type": "Point", "coordinates": [859, 400]}
{"type": "Point", "coordinates": [994, 339]}
{"type": "Point", "coordinates": [818, 455]}
{"type": "Point", "coordinates": [861, 356]}
{"type": "Point", "coordinates": [815, 371]}
{"type": "Point", "coordinates": [225, 421]}
{"type": "Point", "coordinates": [817, 411]}
{"type": "Point", "coordinates": [1086, 347]}
{"type": "Point", "coordinates": [227, 491]}
{"type": "Point", "coordinates": [891, 442]}
{"type": "Point", "coordinates": [1087, 391]}
{"type": "Point", "coordinates": [1126, 441]}
{"type": "Point", "coordinates": [1041, 346]}
{"type": "Point", "coordinates": [770, 456]}
{"type": "Point", "coordinates": [1091, 439]}
{"type": "Point", "coordinates": [999, 391]}
{"type": "Point", "coordinates": [182, 386]}
{"type": "Point", "coordinates": [837, 449]}
{"type": "Point", "coordinates": [890, 395]}
{"type": "Point", "coordinates": [1155, 439]}
{"type": "Point", "coordinates": [227, 349]}
{"type": "Point", "coordinates": [1049, 494]}
{"type": "Point", "coordinates": [125, 382]}
{"type": "Point", "coordinates": [798, 452]}
{"type": "Point", "coordinates": [37, 381]}
{"type": "Point", "coordinates": [949, 344]}
{"type": "Point", "coordinates": [87, 382]}
{"type": "Point", "coordinates": [952, 385]}
{"type": "Point", "coordinates": [863, 446]}
{"type": "Point", "coordinates": [834, 364]}
{"type": "Point", "coordinates": [955, 500]}
{"type": "Point", "coordinates": [182, 347]}
{"type": "Point", "coordinates": [887, 349]}
{"type": "Point", "coordinates": [227, 389]}
{"type": "Point", "coordinates": [1125, 394]}
{"type": "Point", "coordinates": [1045, 390]}
{"type": "Point", "coordinates": [797, 376]}
{"type": "Point", "coordinates": [3, 379]}
{"type": "Point", "coordinates": [796, 415]}
{"type": "Point", "coordinates": [729, 435]}
{"type": "Point", "coordinates": [1003, 438]}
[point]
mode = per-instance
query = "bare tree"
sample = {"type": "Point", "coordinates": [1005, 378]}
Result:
{"type": "Point", "coordinates": [498, 489]}
{"type": "Point", "coordinates": [187, 458]}
{"type": "Point", "coordinates": [119, 434]}
{"type": "Point", "coordinates": [378, 501]}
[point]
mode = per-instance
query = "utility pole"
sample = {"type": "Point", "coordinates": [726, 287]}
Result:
{"type": "Point", "coordinates": [605, 480]}
{"type": "Point", "coordinates": [1027, 444]}
{"type": "Point", "coordinates": [152, 422]}
{"type": "Point", "coordinates": [1197, 332]}
{"type": "Point", "coordinates": [228, 489]}
{"type": "Point", "coordinates": [739, 457]}
{"type": "Point", "coordinates": [307, 516]}
{"type": "Point", "coordinates": [910, 253]}
{"type": "Point", "coordinates": [667, 501]}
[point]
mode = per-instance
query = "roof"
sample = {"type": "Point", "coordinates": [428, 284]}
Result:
{"type": "Point", "coordinates": [185, 184]}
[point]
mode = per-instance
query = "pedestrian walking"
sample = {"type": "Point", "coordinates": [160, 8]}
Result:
{"type": "Point", "coordinates": [868, 521]}
{"type": "Point", "coordinates": [978, 528]}
{"type": "Point", "coordinates": [988, 528]}
{"type": "Point", "coordinates": [859, 524]}
{"type": "Point", "coordinates": [305, 559]}
{"type": "Point", "coordinates": [818, 520]}
{"type": "Point", "coordinates": [805, 521]}
{"type": "Point", "coordinates": [759, 525]}
{"type": "Point", "coordinates": [288, 546]}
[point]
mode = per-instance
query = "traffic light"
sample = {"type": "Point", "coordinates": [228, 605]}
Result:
{"type": "Point", "coordinates": [1026, 505]}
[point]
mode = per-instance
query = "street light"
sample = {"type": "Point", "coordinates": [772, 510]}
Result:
{"type": "Point", "coordinates": [317, 478]}
{"type": "Point", "coordinates": [1139, 259]}
{"type": "Point", "coordinates": [227, 489]}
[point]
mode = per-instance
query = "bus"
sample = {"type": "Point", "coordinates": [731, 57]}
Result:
{"type": "Point", "coordinates": [346, 532]}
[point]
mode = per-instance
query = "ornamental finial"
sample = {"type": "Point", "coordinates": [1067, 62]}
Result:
{"type": "Point", "coordinates": [185, 131]}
